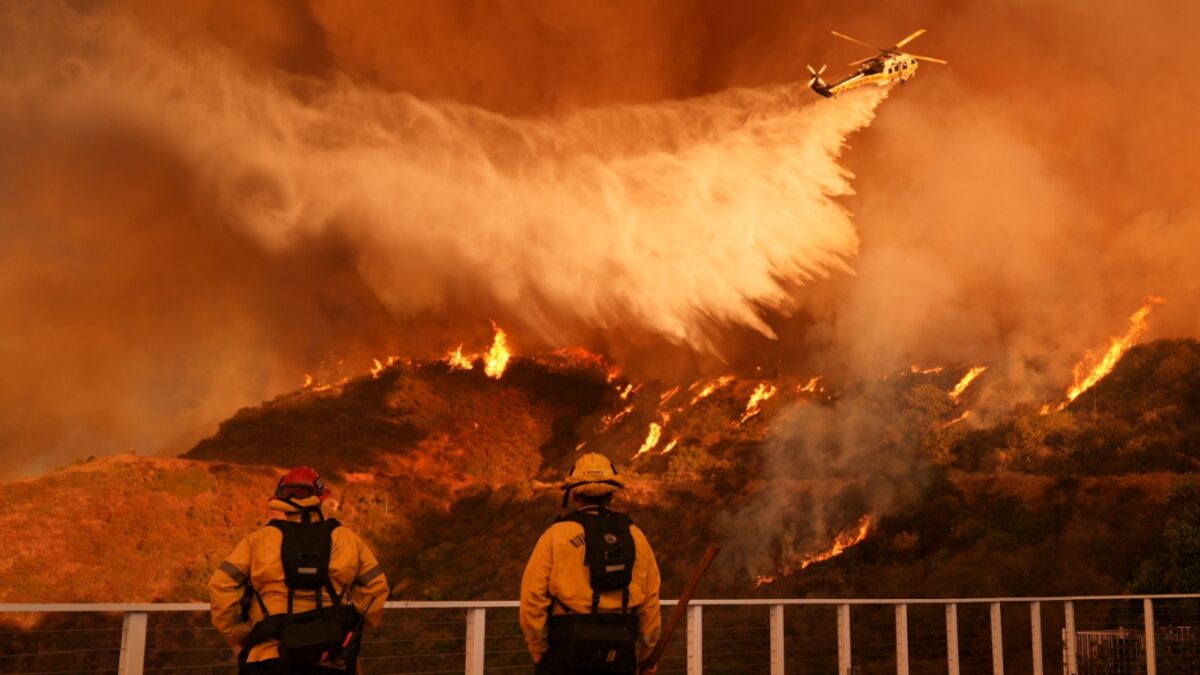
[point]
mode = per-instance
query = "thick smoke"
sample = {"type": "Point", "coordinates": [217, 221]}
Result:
{"type": "Point", "coordinates": [826, 467]}
{"type": "Point", "coordinates": [190, 221]}
{"type": "Point", "coordinates": [673, 219]}
{"type": "Point", "coordinates": [1013, 214]}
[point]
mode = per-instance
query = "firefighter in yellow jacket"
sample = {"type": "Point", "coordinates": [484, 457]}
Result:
{"type": "Point", "coordinates": [589, 595]}
{"type": "Point", "coordinates": [302, 563]}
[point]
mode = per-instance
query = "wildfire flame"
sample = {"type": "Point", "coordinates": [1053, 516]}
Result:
{"type": "Point", "coordinates": [841, 542]}
{"type": "Point", "coordinates": [495, 360]}
{"type": "Point", "coordinates": [609, 421]}
{"type": "Point", "coordinates": [966, 381]}
{"type": "Point", "coordinates": [652, 438]}
{"type": "Point", "coordinates": [711, 387]}
{"type": "Point", "coordinates": [918, 370]}
{"type": "Point", "coordinates": [762, 393]}
{"type": "Point", "coordinates": [1086, 378]}
{"type": "Point", "coordinates": [668, 395]}
{"type": "Point", "coordinates": [956, 420]}
{"type": "Point", "coordinates": [459, 361]}
{"type": "Point", "coordinates": [670, 446]}
{"type": "Point", "coordinates": [378, 366]}
{"type": "Point", "coordinates": [813, 386]}
{"type": "Point", "coordinates": [308, 380]}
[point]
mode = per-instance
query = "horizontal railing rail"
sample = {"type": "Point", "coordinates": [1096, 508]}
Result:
{"type": "Point", "coordinates": [1080, 634]}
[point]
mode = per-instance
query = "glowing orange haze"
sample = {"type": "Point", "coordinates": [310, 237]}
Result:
{"type": "Point", "coordinates": [205, 199]}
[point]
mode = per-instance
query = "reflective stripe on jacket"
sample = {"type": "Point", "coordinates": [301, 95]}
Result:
{"type": "Point", "coordinates": [257, 559]}
{"type": "Point", "coordinates": [558, 567]}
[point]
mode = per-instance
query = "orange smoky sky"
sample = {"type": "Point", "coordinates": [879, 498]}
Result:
{"type": "Point", "coordinates": [199, 202]}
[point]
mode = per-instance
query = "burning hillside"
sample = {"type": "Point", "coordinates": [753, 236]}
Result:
{"type": "Point", "coordinates": [438, 466]}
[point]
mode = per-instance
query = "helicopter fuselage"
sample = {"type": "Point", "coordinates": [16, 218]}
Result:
{"type": "Point", "coordinates": [881, 71]}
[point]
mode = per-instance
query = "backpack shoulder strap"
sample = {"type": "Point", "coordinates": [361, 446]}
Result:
{"type": "Point", "coordinates": [331, 524]}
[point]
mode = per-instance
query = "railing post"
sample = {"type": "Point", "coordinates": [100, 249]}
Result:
{"type": "Point", "coordinates": [1069, 637]}
{"type": "Point", "coordinates": [901, 639]}
{"type": "Point", "coordinates": [476, 642]}
{"type": "Point", "coordinates": [997, 640]}
{"type": "Point", "coordinates": [843, 619]}
{"type": "Point", "coordinates": [1151, 660]}
{"type": "Point", "coordinates": [133, 644]}
{"type": "Point", "coordinates": [777, 643]}
{"type": "Point", "coordinates": [1035, 628]}
{"type": "Point", "coordinates": [952, 638]}
{"type": "Point", "coordinates": [695, 639]}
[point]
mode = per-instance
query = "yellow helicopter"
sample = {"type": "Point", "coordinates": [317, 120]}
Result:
{"type": "Point", "coordinates": [891, 65]}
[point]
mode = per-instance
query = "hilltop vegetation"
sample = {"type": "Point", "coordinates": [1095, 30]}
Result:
{"type": "Point", "coordinates": [452, 475]}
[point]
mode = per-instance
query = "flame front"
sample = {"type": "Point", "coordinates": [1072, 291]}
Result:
{"type": "Point", "coordinates": [495, 360]}
{"type": "Point", "coordinates": [378, 366]}
{"type": "Point", "coordinates": [652, 438]}
{"type": "Point", "coordinates": [609, 421]}
{"type": "Point", "coordinates": [813, 386]}
{"type": "Point", "coordinates": [762, 393]}
{"type": "Point", "coordinates": [710, 388]}
{"type": "Point", "coordinates": [956, 420]}
{"type": "Point", "coordinates": [459, 361]}
{"type": "Point", "coordinates": [1086, 378]}
{"type": "Point", "coordinates": [966, 381]}
{"type": "Point", "coordinates": [841, 542]}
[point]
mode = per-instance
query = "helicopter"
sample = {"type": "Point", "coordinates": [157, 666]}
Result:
{"type": "Point", "coordinates": [889, 66]}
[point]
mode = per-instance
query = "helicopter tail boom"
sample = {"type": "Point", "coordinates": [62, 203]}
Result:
{"type": "Point", "coordinates": [817, 84]}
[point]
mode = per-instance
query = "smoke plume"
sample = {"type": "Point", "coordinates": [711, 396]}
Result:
{"type": "Point", "coordinates": [200, 202]}
{"type": "Point", "coordinates": [673, 219]}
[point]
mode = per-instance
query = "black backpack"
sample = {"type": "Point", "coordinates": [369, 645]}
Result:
{"type": "Point", "coordinates": [609, 551]}
{"type": "Point", "coordinates": [321, 634]}
{"type": "Point", "coordinates": [599, 641]}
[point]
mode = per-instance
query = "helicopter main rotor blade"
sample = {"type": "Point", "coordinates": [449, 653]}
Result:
{"type": "Point", "coordinates": [929, 59]}
{"type": "Point", "coordinates": [856, 41]}
{"type": "Point", "coordinates": [910, 38]}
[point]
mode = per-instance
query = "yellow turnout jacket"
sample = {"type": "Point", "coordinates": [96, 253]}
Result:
{"type": "Point", "coordinates": [558, 568]}
{"type": "Point", "coordinates": [256, 560]}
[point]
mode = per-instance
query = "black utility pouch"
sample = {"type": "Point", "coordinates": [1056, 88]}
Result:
{"type": "Point", "coordinates": [311, 637]}
{"type": "Point", "coordinates": [602, 642]}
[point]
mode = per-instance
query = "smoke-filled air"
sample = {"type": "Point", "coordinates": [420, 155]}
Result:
{"type": "Point", "coordinates": [675, 218]}
{"type": "Point", "coordinates": [201, 204]}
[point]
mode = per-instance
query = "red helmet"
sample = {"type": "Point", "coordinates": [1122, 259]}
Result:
{"type": "Point", "coordinates": [301, 483]}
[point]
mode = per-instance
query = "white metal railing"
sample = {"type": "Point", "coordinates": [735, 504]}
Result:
{"type": "Point", "coordinates": [757, 632]}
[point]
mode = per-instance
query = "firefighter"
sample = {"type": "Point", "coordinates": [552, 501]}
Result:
{"type": "Point", "coordinates": [589, 595]}
{"type": "Point", "coordinates": [302, 565]}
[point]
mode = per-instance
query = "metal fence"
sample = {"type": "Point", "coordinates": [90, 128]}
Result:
{"type": "Point", "coordinates": [1080, 635]}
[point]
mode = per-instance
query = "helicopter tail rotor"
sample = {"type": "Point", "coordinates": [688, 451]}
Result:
{"type": "Point", "coordinates": [816, 74]}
